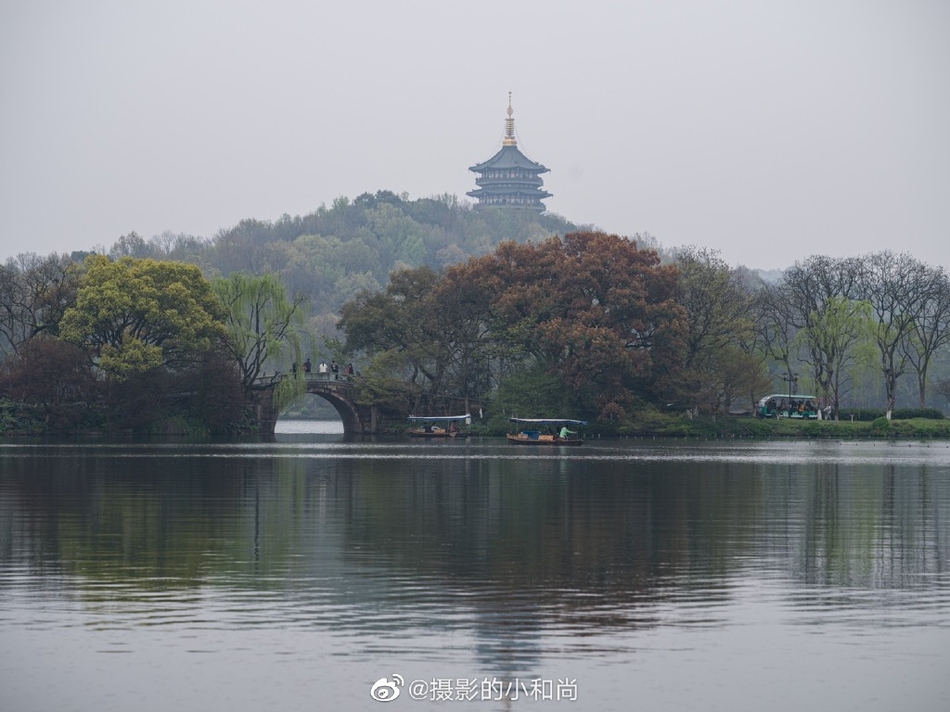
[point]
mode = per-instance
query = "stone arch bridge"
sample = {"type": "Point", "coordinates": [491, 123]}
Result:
{"type": "Point", "coordinates": [338, 392]}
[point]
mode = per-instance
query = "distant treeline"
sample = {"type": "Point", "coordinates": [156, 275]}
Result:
{"type": "Point", "coordinates": [335, 252]}
{"type": "Point", "coordinates": [524, 310]}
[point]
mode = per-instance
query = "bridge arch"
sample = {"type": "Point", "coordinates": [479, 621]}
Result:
{"type": "Point", "coordinates": [341, 398]}
{"type": "Point", "coordinates": [339, 394]}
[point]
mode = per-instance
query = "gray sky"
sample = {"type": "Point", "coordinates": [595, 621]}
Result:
{"type": "Point", "coordinates": [770, 130]}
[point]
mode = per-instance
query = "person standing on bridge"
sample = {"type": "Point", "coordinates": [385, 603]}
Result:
{"type": "Point", "coordinates": [307, 366]}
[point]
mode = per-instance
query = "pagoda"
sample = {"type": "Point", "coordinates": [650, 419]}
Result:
{"type": "Point", "coordinates": [509, 178]}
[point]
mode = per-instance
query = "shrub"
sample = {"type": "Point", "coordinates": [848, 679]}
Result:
{"type": "Point", "coordinates": [910, 413]}
{"type": "Point", "coordinates": [52, 379]}
{"type": "Point", "coordinates": [864, 415]}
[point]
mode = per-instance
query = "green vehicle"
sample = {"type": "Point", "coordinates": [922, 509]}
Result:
{"type": "Point", "coordinates": [783, 405]}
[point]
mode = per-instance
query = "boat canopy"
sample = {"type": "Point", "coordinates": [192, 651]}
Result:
{"type": "Point", "coordinates": [439, 418]}
{"type": "Point", "coordinates": [547, 421]}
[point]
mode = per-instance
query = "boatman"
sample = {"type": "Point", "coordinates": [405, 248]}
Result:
{"type": "Point", "coordinates": [566, 434]}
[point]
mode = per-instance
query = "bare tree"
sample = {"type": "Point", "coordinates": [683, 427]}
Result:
{"type": "Point", "coordinates": [943, 388]}
{"type": "Point", "coordinates": [34, 293]}
{"type": "Point", "coordinates": [931, 329]}
{"type": "Point", "coordinates": [896, 286]}
{"type": "Point", "coordinates": [818, 297]}
{"type": "Point", "coordinates": [720, 321]}
{"type": "Point", "coordinates": [775, 326]}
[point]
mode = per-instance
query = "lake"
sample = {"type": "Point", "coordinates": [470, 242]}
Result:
{"type": "Point", "coordinates": [316, 571]}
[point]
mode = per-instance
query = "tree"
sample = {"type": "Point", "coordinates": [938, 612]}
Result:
{"type": "Point", "coordinates": [262, 322]}
{"type": "Point", "coordinates": [837, 332]}
{"type": "Point", "coordinates": [719, 319]}
{"type": "Point", "coordinates": [590, 309]}
{"type": "Point", "coordinates": [34, 293]}
{"type": "Point", "coordinates": [931, 328]}
{"type": "Point", "coordinates": [896, 287]}
{"type": "Point", "coordinates": [399, 331]}
{"type": "Point", "coordinates": [943, 388]}
{"type": "Point", "coordinates": [817, 294]}
{"type": "Point", "coordinates": [53, 377]}
{"type": "Point", "coordinates": [775, 326]}
{"type": "Point", "coordinates": [134, 315]}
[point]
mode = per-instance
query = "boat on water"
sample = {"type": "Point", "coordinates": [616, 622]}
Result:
{"type": "Point", "coordinates": [546, 431]}
{"type": "Point", "coordinates": [438, 426]}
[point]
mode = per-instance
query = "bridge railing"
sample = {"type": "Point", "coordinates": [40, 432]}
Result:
{"type": "Point", "coordinates": [270, 379]}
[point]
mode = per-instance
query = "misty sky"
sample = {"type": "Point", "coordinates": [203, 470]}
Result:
{"type": "Point", "coordinates": [770, 130]}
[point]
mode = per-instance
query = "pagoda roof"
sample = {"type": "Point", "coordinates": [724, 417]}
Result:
{"type": "Point", "coordinates": [535, 193]}
{"type": "Point", "coordinates": [509, 157]}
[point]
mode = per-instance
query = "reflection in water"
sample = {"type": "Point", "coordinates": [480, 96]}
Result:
{"type": "Point", "coordinates": [467, 558]}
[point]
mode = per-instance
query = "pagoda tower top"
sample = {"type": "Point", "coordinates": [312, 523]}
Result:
{"type": "Point", "coordinates": [510, 178]}
{"type": "Point", "coordinates": [510, 139]}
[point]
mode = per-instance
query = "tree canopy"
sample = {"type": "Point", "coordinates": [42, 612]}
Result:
{"type": "Point", "coordinates": [263, 323]}
{"type": "Point", "coordinates": [590, 309]}
{"type": "Point", "coordinates": [133, 315]}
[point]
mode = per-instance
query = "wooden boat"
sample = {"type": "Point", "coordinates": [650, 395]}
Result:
{"type": "Point", "coordinates": [438, 426]}
{"type": "Point", "coordinates": [531, 431]}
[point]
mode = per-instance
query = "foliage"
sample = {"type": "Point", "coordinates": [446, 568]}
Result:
{"type": "Point", "coordinates": [881, 426]}
{"type": "Point", "coordinates": [591, 310]}
{"type": "Point", "coordinates": [920, 428]}
{"type": "Point", "coordinates": [911, 413]}
{"type": "Point", "coordinates": [378, 386]}
{"type": "Point", "coordinates": [54, 379]}
{"type": "Point", "coordinates": [532, 393]}
{"type": "Point", "coordinates": [215, 395]}
{"type": "Point", "coordinates": [262, 322]}
{"type": "Point", "coordinates": [330, 254]}
{"type": "Point", "coordinates": [136, 315]}
{"type": "Point", "coordinates": [862, 415]}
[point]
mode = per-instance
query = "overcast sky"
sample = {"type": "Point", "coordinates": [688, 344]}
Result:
{"type": "Point", "coordinates": [769, 130]}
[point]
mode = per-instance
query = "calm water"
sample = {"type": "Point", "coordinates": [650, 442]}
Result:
{"type": "Point", "coordinates": [294, 575]}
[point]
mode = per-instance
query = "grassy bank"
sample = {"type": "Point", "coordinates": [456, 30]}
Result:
{"type": "Point", "coordinates": [746, 427]}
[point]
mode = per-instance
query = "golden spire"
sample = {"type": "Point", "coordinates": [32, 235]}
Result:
{"type": "Point", "coordinates": [510, 126]}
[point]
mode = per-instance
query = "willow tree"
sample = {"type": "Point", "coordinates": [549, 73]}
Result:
{"type": "Point", "coordinates": [264, 325]}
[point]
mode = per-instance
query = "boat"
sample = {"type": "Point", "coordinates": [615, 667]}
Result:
{"type": "Point", "coordinates": [438, 426]}
{"type": "Point", "coordinates": [531, 431]}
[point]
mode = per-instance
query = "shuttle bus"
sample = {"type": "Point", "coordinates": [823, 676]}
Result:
{"type": "Point", "coordinates": [783, 405]}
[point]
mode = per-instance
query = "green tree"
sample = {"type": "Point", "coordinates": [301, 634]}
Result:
{"type": "Point", "coordinates": [134, 315]}
{"type": "Point", "coordinates": [397, 331]}
{"type": "Point", "coordinates": [838, 332]}
{"type": "Point", "coordinates": [263, 323]}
